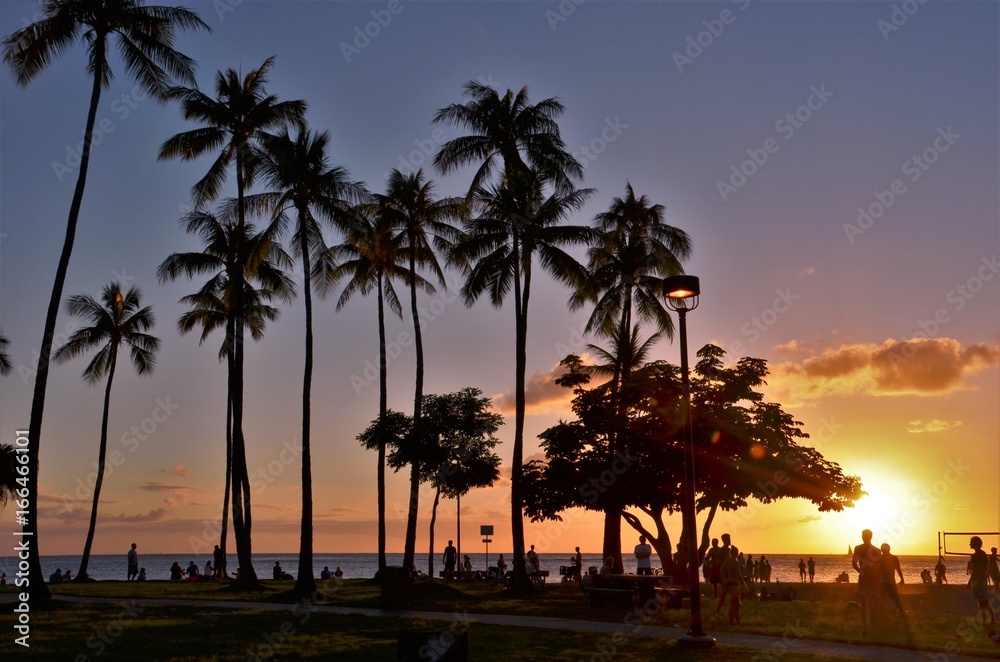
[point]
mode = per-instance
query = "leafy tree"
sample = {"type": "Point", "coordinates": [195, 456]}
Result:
{"type": "Point", "coordinates": [370, 259]}
{"type": "Point", "coordinates": [245, 269]}
{"type": "Point", "coordinates": [5, 364]}
{"type": "Point", "coordinates": [8, 473]}
{"type": "Point", "coordinates": [741, 444]}
{"type": "Point", "coordinates": [116, 322]}
{"type": "Point", "coordinates": [633, 251]}
{"type": "Point", "coordinates": [144, 36]}
{"type": "Point", "coordinates": [409, 205]}
{"type": "Point", "coordinates": [305, 183]}
{"type": "Point", "coordinates": [233, 123]}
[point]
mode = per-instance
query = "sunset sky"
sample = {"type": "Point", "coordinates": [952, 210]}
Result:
{"type": "Point", "coordinates": [835, 163]}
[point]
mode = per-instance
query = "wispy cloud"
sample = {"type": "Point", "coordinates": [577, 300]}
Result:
{"type": "Point", "coordinates": [935, 425]}
{"type": "Point", "coordinates": [541, 395]}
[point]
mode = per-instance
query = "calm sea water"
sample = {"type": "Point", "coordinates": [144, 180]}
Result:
{"type": "Point", "coordinates": [784, 567]}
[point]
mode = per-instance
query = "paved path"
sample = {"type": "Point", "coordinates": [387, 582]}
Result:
{"type": "Point", "coordinates": [776, 645]}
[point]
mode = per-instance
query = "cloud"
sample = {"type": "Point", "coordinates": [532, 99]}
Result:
{"type": "Point", "coordinates": [935, 425]}
{"type": "Point", "coordinates": [157, 515]}
{"type": "Point", "coordinates": [921, 366]}
{"type": "Point", "coordinates": [808, 518]}
{"type": "Point", "coordinates": [181, 471]}
{"type": "Point", "coordinates": [541, 395]}
{"type": "Point", "coordinates": [808, 271]}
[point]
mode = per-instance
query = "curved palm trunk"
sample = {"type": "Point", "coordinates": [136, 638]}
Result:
{"type": "Point", "coordinates": [383, 406]}
{"type": "Point", "coordinates": [81, 574]}
{"type": "Point", "coordinates": [520, 361]}
{"type": "Point", "coordinates": [229, 477]}
{"type": "Point", "coordinates": [36, 587]}
{"type": "Point", "coordinates": [434, 516]}
{"type": "Point", "coordinates": [410, 548]}
{"type": "Point", "coordinates": [305, 583]}
{"type": "Point", "coordinates": [241, 481]}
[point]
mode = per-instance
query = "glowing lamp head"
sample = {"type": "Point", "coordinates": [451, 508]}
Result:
{"type": "Point", "coordinates": [681, 291]}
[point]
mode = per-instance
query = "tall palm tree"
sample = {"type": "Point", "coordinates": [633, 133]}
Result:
{"type": "Point", "coordinates": [420, 219]}
{"type": "Point", "coordinates": [116, 322]}
{"type": "Point", "coordinates": [144, 36]}
{"type": "Point", "coordinates": [233, 122]}
{"type": "Point", "coordinates": [370, 259]}
{"type": "Point", "coordinates": [526, 139]}
{"type": "Point", "coordinates": [5, 364]}
{"type": "Point", "coordinates": [518, 222]}
{"type": "Point", "coordinates": [256, 261]}
{"type": "Point", "coordinates": [633, 251]}
{"type": "Point", "coordinates": [305, 183]}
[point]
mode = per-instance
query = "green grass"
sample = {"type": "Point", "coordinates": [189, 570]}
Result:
{"type": "Point", "coordinates": [938, 619]}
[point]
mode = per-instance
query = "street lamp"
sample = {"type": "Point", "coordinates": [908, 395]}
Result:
{"type": "Point", "coordinates": [681, 294]}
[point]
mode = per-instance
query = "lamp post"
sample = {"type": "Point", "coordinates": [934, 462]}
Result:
{"type": "Point", "coordinates": [681, 294]}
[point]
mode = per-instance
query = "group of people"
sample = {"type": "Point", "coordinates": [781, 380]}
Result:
{"type": "Point", "coordinates": [809, 566]}
{"type": "Point", "coordinates": [59, 576]}
{"type": "Point", "coordinates": [336, 574]}
{"type": "Point", "coordinates": [730, 578]}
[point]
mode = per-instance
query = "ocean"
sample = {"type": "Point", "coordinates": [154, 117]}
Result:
{"type": "Point", "coordinates": [784, 567]}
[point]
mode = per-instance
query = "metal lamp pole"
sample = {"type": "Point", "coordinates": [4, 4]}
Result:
{"type": "Point", "coordinates": [681, 296]}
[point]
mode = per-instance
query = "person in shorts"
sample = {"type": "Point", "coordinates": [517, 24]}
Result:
{"type": "Point", "coordinates": [867, 561]}
{"type": "Point", "coordinates": [977, 581]}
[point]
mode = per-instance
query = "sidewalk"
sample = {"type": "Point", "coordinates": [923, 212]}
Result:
{"type": "Point", "coordinates": [773, 644]}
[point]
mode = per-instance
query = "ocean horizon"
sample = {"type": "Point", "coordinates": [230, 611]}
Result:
{"type": "Point", "coordinates": [784, 567]}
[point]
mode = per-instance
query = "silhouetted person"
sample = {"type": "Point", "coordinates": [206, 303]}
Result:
{"type": "Point", "coordinates": [219, 557]}
{"type": "Point", "coordinates": [802, 570]}
{"type": "Point", "coordinates": [993, 569]}
{"type": "Point", "coordinates": [812, 569]}
{"type": "Point", "coordinates": [890, 568]}
{"type": "Point", "coordinates": [133, 563]}
{"type": "Point", "coordinates": [643, 553]}
{"type": "Point", "coordinates": [276, 571]}
{"type": "Point", "coordinates": [867, 561]}
{"type": "Point", "coordinates": [450, 559]}
{"type": "Point", "coordinates": [715, 561]}
{"type": "Point", "coordinates": [733, 584]}
{"type": "Point", "coordinates": [979, 563]}
{"type": "Point", "coordinates": [939, 572]}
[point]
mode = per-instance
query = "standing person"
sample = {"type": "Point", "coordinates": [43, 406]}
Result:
{"type": "Point", "coordinates": [502, 566]}
{"type": "Point", "coordinates": [977, 581]}
{"type": "Point", "coordinates": [714, 565]}
{"type": "Point", "coordinates": [993, 569]}
{"type": "Point", "coordinates": [578, 564]}
{"type": "Point", "coordinates": [220, 562]}
{"type": "Point", "coordinates": [133, 563]}
{"type": "Point", "coordinates": [939, 571]}
{"type": "Point", "coordinates": [450, 559]}
{"type": "Point", "coordinates": [867, 561]}
{"type": "Point", "coordinates": [812, 569]}
{"type": "Point", "coordinates": [733, 584]}
{"type": "Point", "coordinates": [533, 557]}
{"type": "Point", "coordinates": [890, 568]}
{"type": "Point", "coordinates": [802, 570]}
{"type": "Point", "coordinates": [643, 552]}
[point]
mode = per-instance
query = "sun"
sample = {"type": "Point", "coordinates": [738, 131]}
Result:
{"type": "Point", "coordinates": [876, 511]}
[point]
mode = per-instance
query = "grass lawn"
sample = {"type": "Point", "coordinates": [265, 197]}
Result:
{"type": "Point", "coordinates": [938, 618]}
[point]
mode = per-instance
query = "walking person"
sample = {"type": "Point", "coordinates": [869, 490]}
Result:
{"type": "Point", "coordinates": [890, 568]}
{"type": "Point", "coordinates": [993, 569]}
{"type": "Point", "coordinates": [133, 563]}
{"type": "Point", "coordinates": [812, 569]}
{"type": "Point", "coordinates": [977, 581]}
{"type": "Point", "coordinates": [802, 570]}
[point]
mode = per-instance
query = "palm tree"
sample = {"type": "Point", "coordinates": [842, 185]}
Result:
{"type": "Point", "coordinates": [144, 36]}
{"type": "Point", "coordinates": [370, 259]}
{"type": "Point", "coordinates": [116, 321]}
{"type": "Point", "coordinates": [256, 260]}
{"type": "Point", "coordinates": [634, 250]}
{"type": "Point", "coordinates": [233, 121]}
{"type": "Point", "coordinates": [526, 138]}
{"type": "Point", "coordinates": [409, 203]}
{"type": "Point", "coordinates": [8, 473]}
{"type": "Point", "coordinates": [5, 364]}
{"type": "Point", "coordinates": [305, 182]}
{"type": "Point", "coordinates": [519, 221]}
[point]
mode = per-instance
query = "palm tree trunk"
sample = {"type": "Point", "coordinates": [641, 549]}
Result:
{"type": "Point", "coordinates": [383, 407]}
{"type": "Point", "coordinates": [520, 361]}
{"type": "Point", "coordinates": [81, 574]}
{"type": "Point", "coordinates": [305, 583]}
{"type": "Point", "coordinates": [434, 515]}
{"type": "Point", "coordinates": [36, 586]}
{"type": "Point", "coordinates": [229, 477]}
{"type": "Point", "coordinates": [410, 548]}
{"type": "Point", "coordinates": [612, 542]}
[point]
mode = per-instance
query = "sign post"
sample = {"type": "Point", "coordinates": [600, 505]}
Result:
{"type": "Point", "coordinates": [486, 530]}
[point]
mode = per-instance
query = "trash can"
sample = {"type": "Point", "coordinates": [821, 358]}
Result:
{"type": "Point", "coordinates": [444, 646]}
{"type": "Point", "coordinates": [396, 586]}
